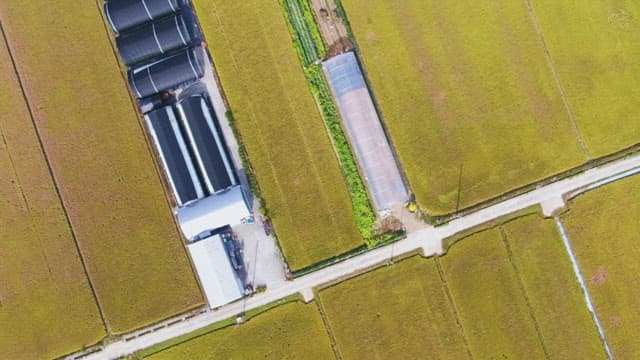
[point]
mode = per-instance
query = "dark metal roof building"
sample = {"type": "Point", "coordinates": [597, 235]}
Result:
{"type": "Point", "coordinates": [177, 162]}
{"type": "Point", "coordinates": [167, 73]}
{"type": "Point", "coordinates": [125, 14]}
{"type": "Point", "coordinates": [209, 149]}
{"type": "Point", "coordinates": [152, 40]}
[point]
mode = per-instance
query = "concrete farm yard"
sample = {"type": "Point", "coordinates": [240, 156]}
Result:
{"type": "Point", "coordinates": [483, 97]}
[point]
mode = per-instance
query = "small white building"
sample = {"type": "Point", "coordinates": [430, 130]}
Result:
{"type": "Point", "coordinates": [222, 209]}
{"type": "Point", "coordinates": [220, 282]}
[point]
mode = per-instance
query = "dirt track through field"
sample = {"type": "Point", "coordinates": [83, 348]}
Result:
{"type": "Point", "coordinates": [554, 72]}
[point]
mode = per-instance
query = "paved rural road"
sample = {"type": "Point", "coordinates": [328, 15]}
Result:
{"type": "Point", "coordinates": [428, 240]}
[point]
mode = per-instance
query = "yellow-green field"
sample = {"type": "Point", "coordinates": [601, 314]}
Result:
{"type": "Point", "coordinates": [46, 306]}
{"type": "Point", "coordinates": [394, 312]}
{"type": "Point", "coordinates": [292, 331]}
{"type": "Point", "coordinates": [491, 305]}
{"type": "Point", "coordinates": [100, 160]}
{"type": "Point", "coordinates": [603, 228]}
{"type": "Point", "coordinates": [556, 299]}
{"type": "Point", "coordinates": [513, 279]}
{"type": "Point", "coordinates": [280, 126]}
{"type": "Point", "coordinates": [594, 46]}
{"type": "Point", "coordinates": [470, 100]}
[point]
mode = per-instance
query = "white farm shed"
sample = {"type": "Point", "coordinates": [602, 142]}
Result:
{"type": "Point", "coordinates": [222, 209]}
{"type": "Point", "coordinates": [219, 281]}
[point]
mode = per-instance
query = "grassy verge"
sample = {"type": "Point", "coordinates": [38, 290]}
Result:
{"type": "Point", "coordinates": [294, 330]}
{"type": "Point", "coordinates": [602, 226]}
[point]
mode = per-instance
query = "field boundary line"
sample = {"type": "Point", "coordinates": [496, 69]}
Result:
{"type": "Point", "coordinates": [327, 325]}
{"type": "Point", "coordinates": [523, 289]}
{"type": "Point", "coordinates": [452, 303]}
{"type": "Point", "coordinates": [53, 178]}
{"type": "Point", "coordinates": [554, 72]}
{"type": "Point", "coordinates": [583, 285]}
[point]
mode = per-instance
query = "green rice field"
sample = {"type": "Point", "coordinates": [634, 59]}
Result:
{"type": "Point", "coordinates": [280, 125]}
{"type": "Point", "coordinates": [471, 101]}
{"type": "Point", "coordinates": [603, 228]}
{"type": "Point", "coordinates": [102, 165]}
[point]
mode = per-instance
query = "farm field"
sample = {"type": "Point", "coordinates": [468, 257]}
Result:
{"type": "Point", "coordinates": [280, 125]}
{"type": "Point", "coordinates": [292, 331]}
{"type": "Point", "coordinates": [100, 160]}
{"type": "Point", "coordinates": [394, 312]}
{"type": "Point", "coordinates": [489, 300]}
{"type": "Point", "coordinates": [513, 279]}
{"type": "Point", "coordinates": [46, 306]}
{"type": "Point", "coordinates": [467, 95]}
{"type": "Point", "coordinates": [554, 294]}
{"type": "Point", "coordinates": [594, 46]}
{"type": "Point", "coordinates": [602, 226]}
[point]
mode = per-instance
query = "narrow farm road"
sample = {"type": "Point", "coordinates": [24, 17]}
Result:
{"type": "Point", "coordinates": [428, 240]}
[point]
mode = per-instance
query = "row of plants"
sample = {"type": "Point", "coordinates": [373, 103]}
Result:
{"type": "Point", "coordinates": [306, 33]}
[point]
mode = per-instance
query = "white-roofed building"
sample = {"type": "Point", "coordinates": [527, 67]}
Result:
{"type": "Point", "coordinates": [219, 280]}
{"type": "Point", "coordinates": [213, 212]}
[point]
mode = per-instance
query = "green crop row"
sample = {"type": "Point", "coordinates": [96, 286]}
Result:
{"type": "Point", "coordinates": [301, 21]}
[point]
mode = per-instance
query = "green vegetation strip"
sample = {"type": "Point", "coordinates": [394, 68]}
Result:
{"type": "Point", "coordinates": [291, 331]}
{"type": "Point", "coordinates": [306, 34]}
{"type": "Point", "coordinates": [103, 166]}
{"type": "Point", "coordinates": [602, 226]}
{"type": "Point", "coordinates": [465, 88]}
